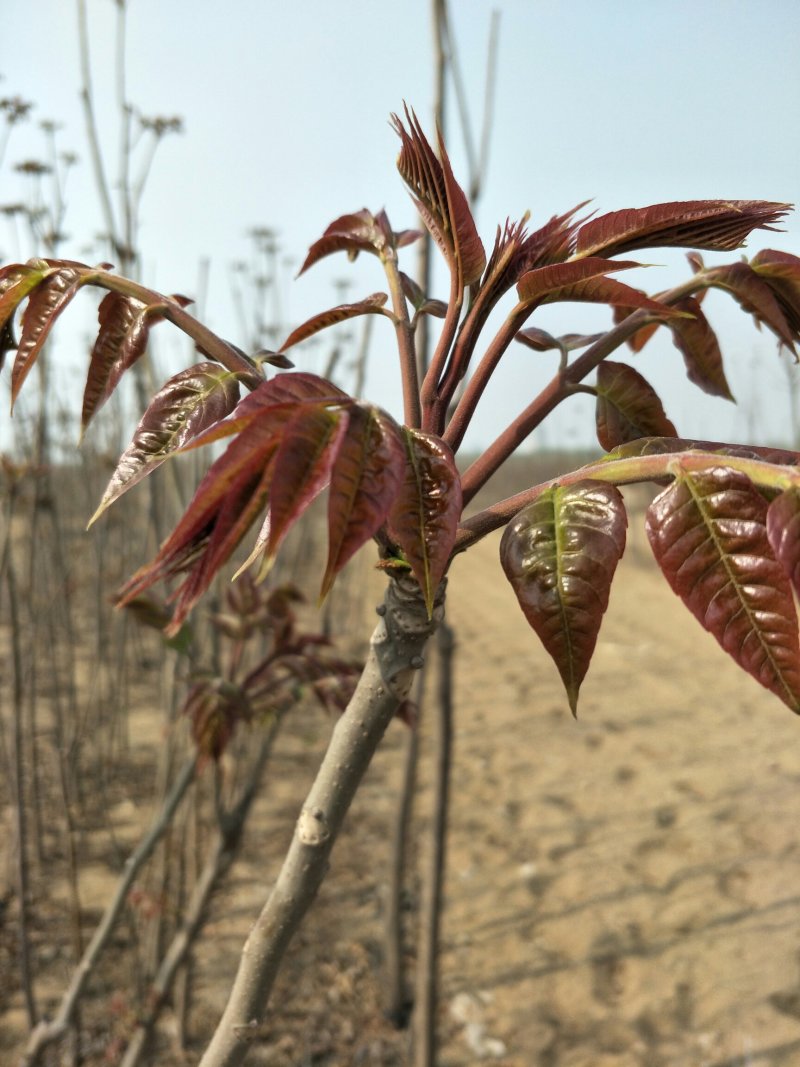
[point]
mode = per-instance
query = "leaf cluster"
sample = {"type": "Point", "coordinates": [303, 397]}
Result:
{"type": "Point", "coordinates": [718, 529]}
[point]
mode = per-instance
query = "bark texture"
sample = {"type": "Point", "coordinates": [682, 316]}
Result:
{"type": "Point", "coordinates": [395, 653]}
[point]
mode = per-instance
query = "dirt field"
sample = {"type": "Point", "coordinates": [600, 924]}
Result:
{"type": "Point", "coordinates": [622, 890]}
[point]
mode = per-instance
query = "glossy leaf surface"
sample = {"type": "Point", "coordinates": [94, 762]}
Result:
{"type": "Point", "coordinates": [708, 532]}
{"type": "Point", "coordinates": [783, 530]}
{"type": "Point", "coordinates": [425, 513]}
{"type": "Point", "coordinates": [720, 225]}
{"type": "Point", "coordinates": [370, 305]}
{"type": "Point", "coordinates": [121, 340]}
{"type": "Point", "coordinates": [560, 554]}
{"type": "Point", "coordinates": [627, 407]}
{"type": "Point", "coordinates": [45, 304]}
{"type": "Point", "coordinates": [190, 402]}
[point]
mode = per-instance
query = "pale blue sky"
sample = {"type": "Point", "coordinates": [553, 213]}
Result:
{"type": "Point", "coordinates": [627, 102]}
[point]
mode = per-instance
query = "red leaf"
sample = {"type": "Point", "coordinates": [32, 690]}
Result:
{"type": "Point", "coordinates": [188, 403]}
{"type": "Point", "coordinates": [365, 480]}
{"type": "Point", "coordinates": [708, 533]}
{"type": "Point", "coordinates": [755, 296]}
{"type": "Point", "coordinates": [783, 531]}
{"type": "Point", "coordinates": [638, 340]}
{"type": "Point", "coordinates": [239, 474]}
{"type": "Point", "coordinates": [545, 283]}
{"type": "Point", "coordinates": [370, 305]}
{"type": "Point", "coordinates": [542, 341]}
{"type": "Point", "coordinates": [719, 225]}
{"type": "Point", "coordinates": [121, 340]}
{"type": "Point", "coordinates": [781, 271]}
{"type": "Point", "coordinates": [303, 463]}
{"type": "Point", "coordinates": [560, 554]}
{"type": "Point", "coordinates": [440, 200]}
{"type": "Point", "coordinates": [424, 517]}
{"type": "Point", "coordinates": [627, 407]}
{"type": "Point", "coordinates": [45, 304]}
{"type": "Point", "coordinates": [698, 344]}
{"type": "Point", "coordinates": [279, 394]}
{"type": "Point", "coordinates": [359, 232]}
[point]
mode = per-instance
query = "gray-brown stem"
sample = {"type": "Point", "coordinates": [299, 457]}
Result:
{"type": "Point", "coordinates": [395, 652]}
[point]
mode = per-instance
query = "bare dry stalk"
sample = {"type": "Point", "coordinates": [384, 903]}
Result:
{"type": "Point", "coordinates": [395, 653]}
{"type": "Point", "coordinates": [222, 854]}
{"type": "Point", "coordinates": [49, 1031]}
{"type": "Point", "coordinates": [398, 1002]}
{"type": "Point", "coordinates": [426, 999]}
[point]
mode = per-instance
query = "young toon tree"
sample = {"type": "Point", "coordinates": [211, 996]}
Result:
{"type": "Point", "coordinates": [724, 531]}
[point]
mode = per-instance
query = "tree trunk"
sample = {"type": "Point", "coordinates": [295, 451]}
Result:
{"type": "Point", "coordinates": [395, 653]}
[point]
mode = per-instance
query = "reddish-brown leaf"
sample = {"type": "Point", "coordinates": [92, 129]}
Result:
{"type": "Point", "coordinates": [700, 349]}
{"type": "Point", "coordinates": [781, 271]}
{"type": "Point", "coordinates": [370, 305]}
{"type": "Point", "coordinates": [560, 554]}
{"type": "Point", "coordinates": [365, 480]}
{"type": "Point", "coordinates": [719, 225]}
{"type": "Point", "coordinates": [45, 303]}
{"type": "Point", "coordinates": [542, 341]}
{"type": "Point", "coordinates": [303, 463]}
{"type": "Point", "coordinates": [783, 531]}
{"type": "Point", "coordinates": [470, 253]}
{"type": "Point", "coordinates": [419, 301]}
{"type": "Point", "coordinates": [627, 407]}
{"type": "Point", "coordinates": [121, 340]}
{"type": "Point", "coordinates": [359, 232]}
{"type": "Point", "coordinates": [424, 516]}
{"type": "Point", "coordinates": [229, 484]}
{"type": "Point", "coordinates": [755, 296]}
{"type": "Point", "coordinates": [708, 532]}
{"type": "Point", "coordinates": [547, 283]}
{"type": "Point", "coordinates": [187, 404]}
{"type": "Point", "coordinates": [636, 342]}
{"type": "Point", "coordinates": [440, 200]}
{"type": "Point", "coordinates": [273, 398]}
{"type": "Point", "coordinates": [17, 280]}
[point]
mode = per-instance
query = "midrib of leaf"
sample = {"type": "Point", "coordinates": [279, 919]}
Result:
{"type": "Point", "coordinates": [427, 591]}
{"type": "Point", "coordinates": [722, 555]}
{"type": "Point", "coordinates": [561, 605]}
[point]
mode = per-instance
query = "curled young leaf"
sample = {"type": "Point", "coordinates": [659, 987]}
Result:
{"type": "Point", "coordinates": [360, 231]}
{"type": "Point", "coordinates": [560, 554]}
{"type": "Point", "coordinates": [542, 341]}
{"type": "Point", "coordinates": [424, 516]}
{"type": "Point", "coordinates": [627, 407]}
{"type": "Point", "coordinates": [708, 532]}
{"type": "Point", "coordinates": [370, 305]}
{"type": "Point", "coordinates": [440, 200]}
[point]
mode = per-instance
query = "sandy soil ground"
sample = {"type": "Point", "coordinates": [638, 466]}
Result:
{"type": "Point", "coordinates": [622, 890]}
